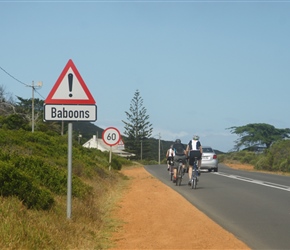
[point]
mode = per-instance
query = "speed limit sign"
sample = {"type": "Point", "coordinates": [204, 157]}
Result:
{"type": "Point", "coordinates": [111, 136]}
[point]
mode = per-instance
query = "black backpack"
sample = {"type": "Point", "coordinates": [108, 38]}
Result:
{"type": "Point", "coordinates": [178, 149]}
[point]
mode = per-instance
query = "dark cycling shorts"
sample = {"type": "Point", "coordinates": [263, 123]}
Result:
{"type": "Point", "coordinates": [177, 158]}
{"type": "Point", "coordinates": [169, 160]}
{"type": "Point", "coordinates": [192, 155]}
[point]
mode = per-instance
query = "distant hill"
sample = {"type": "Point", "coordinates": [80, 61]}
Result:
{"type": "Point", "coordinates": [88, 129]}
{"type": "Point", "coordinates": [218, 152]}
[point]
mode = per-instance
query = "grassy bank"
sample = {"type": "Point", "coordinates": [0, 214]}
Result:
{"type": "Point", "coordinates": [38, 163]}
{"type": "Point", "coordinates": [89, 227]}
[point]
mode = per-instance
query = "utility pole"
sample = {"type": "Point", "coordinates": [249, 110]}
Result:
{"type": "Point", "coordinates": [32, 107]}
{"type": "Point", "coordinates": [141, 149]}
{"type": "Point", "coordinates": [39, 84]}
{"type": "Point", "coordinates": [159, 149]}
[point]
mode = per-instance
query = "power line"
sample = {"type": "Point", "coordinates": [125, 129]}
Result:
{"type": "Point", "coordinates": [27, 85]}
{"type": "Point", "coordinates": [38, 93]}
{"type": "Point", "coordinates": [14, 77]}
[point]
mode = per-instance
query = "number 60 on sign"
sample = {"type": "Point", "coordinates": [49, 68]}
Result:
{"type": "Point", "coordinates": [111, 136]}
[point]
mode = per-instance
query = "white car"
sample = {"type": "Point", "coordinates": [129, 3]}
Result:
{"type": "Point", "coordinates": [209, 159]}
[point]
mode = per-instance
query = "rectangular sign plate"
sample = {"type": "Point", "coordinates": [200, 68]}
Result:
{"type": "Point", "coordinates": [55, 112]}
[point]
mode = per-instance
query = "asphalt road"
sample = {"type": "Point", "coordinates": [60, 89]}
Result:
{"type": "Point", "coordinates": [255, 207]}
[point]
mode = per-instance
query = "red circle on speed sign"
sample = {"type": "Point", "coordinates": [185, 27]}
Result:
{"type": "Point", "coordinates": [111, 136]}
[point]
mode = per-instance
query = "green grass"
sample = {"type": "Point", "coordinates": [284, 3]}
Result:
{"type": "Point", "coordinates": [41, 160]}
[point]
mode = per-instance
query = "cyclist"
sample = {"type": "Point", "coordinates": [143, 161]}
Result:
{"type": "Point", "coordinates": [180, 153]}
{"type": "Point", "coordinates": [195, 150]}
{"type": "Point", "coordinates": [169, 157]}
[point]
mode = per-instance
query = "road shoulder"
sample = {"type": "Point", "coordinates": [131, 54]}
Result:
{"type": "Point", "coordinates": [156, 217]}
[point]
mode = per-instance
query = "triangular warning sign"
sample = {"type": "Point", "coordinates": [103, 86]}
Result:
{"type": "Point", "coordinates": [70, 88]}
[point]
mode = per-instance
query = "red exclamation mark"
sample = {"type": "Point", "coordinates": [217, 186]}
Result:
{"type": "Point", "coordinates": [70, 83]}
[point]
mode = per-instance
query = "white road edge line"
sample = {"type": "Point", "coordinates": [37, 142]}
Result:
{"type": "Point", "coordinates": [263, 183]}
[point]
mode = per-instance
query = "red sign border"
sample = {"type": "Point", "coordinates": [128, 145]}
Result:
{"type": "Point", "coordinates": [69, 65]}
{"type": "Point", "coordinates": [116, 131]}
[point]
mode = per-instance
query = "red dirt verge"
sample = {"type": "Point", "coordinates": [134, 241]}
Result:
{"type": "Point", "coordinates": [146, 209]}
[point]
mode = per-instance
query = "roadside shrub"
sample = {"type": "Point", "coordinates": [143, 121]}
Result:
{"type": "Point", "coordinates": [33, 167]}
{"type": "Point", "coordinates": [280, 152]}
{"type": "Point", "coordinates": [102, 172]}
{"type": "Point", "coordinates": [14, 182]}
{"type": "Point", "coordinates": [244, 157]}
{"type": "Point", "coordinates": [221, 158]}
{"type": "Point", "coordinates": [52, 177]}
{"type": "Point", "coordinates": [124, 161]}
{"type": "Point", "coordinates": [284, 166]}
{"type": "Point", "coordinates": [4, 156]}
{"type": "Point", "coordinates": [236, 157]}
{"type": "Point", "coordinates": [253, 161]}
{"type": "Point", "coordinates": [15, 122]}
{"type": "Point", "coordinates": [263, 163]}
{"type": "Point", "coordinates": [247, 158]}
{"type": "Point", "coordinates": [241, 153]}
{"type": "Point", "coordinates": [115, 164]}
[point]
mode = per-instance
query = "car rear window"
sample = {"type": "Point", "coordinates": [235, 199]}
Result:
{"type": "Point", "coordinates": [207, 150]}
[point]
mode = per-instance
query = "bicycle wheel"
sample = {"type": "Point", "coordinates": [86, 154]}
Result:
{"type": "Point", "coordinates": [194, 183]}
{"type": "Point", "coordinates": [179, 181]}
{"type": "Point", "coordinates": [179, 174]}
{"type": "Point", "coordinates": [194, 175]}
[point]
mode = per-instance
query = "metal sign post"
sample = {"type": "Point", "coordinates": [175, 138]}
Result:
{"type": "Point", "coordinates": [110, 158]}
{"type": "Point", "coordinates": [69, 171]}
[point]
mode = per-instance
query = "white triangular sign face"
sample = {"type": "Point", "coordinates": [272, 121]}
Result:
{"type": "Point", "coordinates": [70, 88]}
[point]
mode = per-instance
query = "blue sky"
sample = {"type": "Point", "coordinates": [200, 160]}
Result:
{"type": "Point", "coordinates": [200, 66]}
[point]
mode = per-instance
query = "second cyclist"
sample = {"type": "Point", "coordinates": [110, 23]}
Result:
{"type": "Point", "coordinates": [195, 150]}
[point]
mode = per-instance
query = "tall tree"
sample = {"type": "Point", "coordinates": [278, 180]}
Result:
{"type": "Point", "coordinates": [24, 107]}
{"type": "Point", "coordinates": [258, 133]}
{"type": "Point", "coordinates": [138, 129]}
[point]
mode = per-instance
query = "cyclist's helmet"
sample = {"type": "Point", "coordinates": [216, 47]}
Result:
{"type": "Point", "coordinates": [177, 141]}
{"type": "Point", "coordinates": [196, 137]}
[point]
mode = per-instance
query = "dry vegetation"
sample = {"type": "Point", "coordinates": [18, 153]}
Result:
{"type": "Point", "coordinates": [241, 166]}
{"type": "Point", "coordinates": [89, 228]}
{"type": "Point", "coordinates": [250, 167]}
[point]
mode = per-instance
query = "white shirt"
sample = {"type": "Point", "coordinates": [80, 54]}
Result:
{"type": "Point", "coordinates": [194, 145]}
{"type": "Point", "coordinates": [171, 152]}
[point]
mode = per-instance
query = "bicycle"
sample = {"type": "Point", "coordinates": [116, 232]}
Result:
{"type": "Point", "coordinates": [194, 179]}
{"type": "Point", "coordinates": [179, 173]}
{"type": "Point", "coordinates": [171, 163]}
